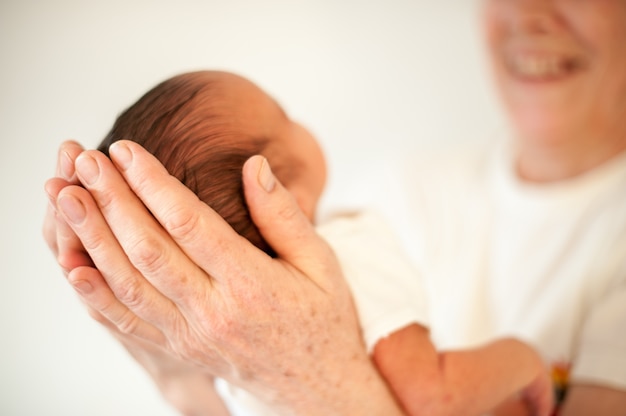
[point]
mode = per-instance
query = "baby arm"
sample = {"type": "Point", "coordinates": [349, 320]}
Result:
{"type": "Point", "coordinates": [468, 382]}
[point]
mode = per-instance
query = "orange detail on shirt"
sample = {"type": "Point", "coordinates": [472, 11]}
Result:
{"type": "Point", "coordinates": [560, 379]}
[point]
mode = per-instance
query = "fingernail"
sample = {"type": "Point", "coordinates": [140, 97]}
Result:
{"type": "Point", "coordinates": [82, 286]}
{"type": "Point", "coordinates": [87, 169]}
{"type": "Point", "coordinates": [66, 165]}
{"type": "Point", "coordinates": [72, 208]}
{"type": "Point", "coordinates": [121, 155]}
{"type": "Point", "coordinates": [266, 177]}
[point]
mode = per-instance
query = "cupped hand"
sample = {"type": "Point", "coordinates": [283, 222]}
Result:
{"type": "Point", "coordinates": [178, 277]}
{"type": "Point", "coordinates": [63, 242]}
{"type": "Point", "coordinates": [186, 386]}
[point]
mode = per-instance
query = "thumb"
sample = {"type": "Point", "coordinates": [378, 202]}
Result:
{"type": "Point", "coordinates": [278, 217]}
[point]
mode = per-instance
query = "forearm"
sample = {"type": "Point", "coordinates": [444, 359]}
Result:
{"type": "Point", "coordinates": [353, 388]}
{"type": "Point", "coordinates": [470, 382]}
{"type": "Point", "coordinates": [195, 396]}
{"type": "Point", "coordinates": [475, 381]}
{"type": "Point", "coordinates": [363, 392]}
{"type": "Point", "coordinates": [597, 400]}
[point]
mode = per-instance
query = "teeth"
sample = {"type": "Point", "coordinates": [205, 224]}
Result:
{"type": "Point", "coordinates": [538, 67]}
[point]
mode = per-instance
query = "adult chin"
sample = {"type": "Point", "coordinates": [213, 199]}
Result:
{"type": "Point", "coordinates": [541, 126]}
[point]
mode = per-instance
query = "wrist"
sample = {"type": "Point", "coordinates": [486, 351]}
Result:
{"type": "Point", "coordinates": [374, 396]}
{"type": "Point", "coordinates": [354, 390]}
{"type": "Point", "coordinates": [193, 394]}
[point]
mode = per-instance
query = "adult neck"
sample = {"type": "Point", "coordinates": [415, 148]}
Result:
{"type": "Point", "coordinates": [544, 161]}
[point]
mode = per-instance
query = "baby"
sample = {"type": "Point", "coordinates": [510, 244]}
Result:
{"type": "Point", "coordinates": [204, 125]}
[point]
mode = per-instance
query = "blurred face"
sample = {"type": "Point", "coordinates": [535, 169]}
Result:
{"type": "Point", "coordinates": [560, 66]}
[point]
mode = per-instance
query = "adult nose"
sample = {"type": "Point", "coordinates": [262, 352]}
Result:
{"type": "Point", "coordinates": [534, 16]}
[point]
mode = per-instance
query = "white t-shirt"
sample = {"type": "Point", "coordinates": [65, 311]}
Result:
{"type": "Point", "coordinates": [385, 287]}
{"type": "Point", "coordinates": [498, 257]}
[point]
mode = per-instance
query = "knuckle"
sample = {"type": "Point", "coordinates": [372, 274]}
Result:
{"type": "Point", "coordinates": [64, 262]}
{"type": "Point", "coordinates": [127, 323]}
{"type": "Point", "coordinates": [132, 295]}
{"type": "Point", "coordinates": [146, 254]}
{"type": "Point", "coordinates": [93, 241]}
{"type": "Point", "coordinates": [104, 199]}
{"type": "Point", "coordinates": [289, 212]}
{"type": "Point", "coordinates": [113, 317]}
{"type": "Point", "coordinates": [181, 222]}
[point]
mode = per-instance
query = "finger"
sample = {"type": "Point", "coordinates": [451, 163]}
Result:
{"type": "Point", "coordinates": [542, 398]}
{"type": "Point", "coordinates": [49, 229]}
{"type": "Point", "coordinates": [105, 308]}
{"type": "Point", "coordinates": [279, 218]}
{"type": "Point", "coordinates": [67, 154]}
{"type": "Point", "coordinates": [149, 248]}
{"type": "Point", "coordinates": [67, 246]}
{"type": "Point", "coordinates": [128, 285]}
{"type": "Point", "coordinates": [200, 232]}
{"type": "Point", "coordinates": [72, 254]}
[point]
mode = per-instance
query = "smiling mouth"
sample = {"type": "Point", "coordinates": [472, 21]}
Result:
{"type": "Point", "coordinates": [542, 68]}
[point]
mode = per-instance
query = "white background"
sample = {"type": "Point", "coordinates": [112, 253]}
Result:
{"type": "Point", "coordinates": [367, 77]}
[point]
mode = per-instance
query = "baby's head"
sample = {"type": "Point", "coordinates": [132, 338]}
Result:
{"type": "Point", "coordinates": [204, 125]}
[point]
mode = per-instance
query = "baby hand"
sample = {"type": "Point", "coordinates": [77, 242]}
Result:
{"type": "Point", "coordinates": [539, 395]}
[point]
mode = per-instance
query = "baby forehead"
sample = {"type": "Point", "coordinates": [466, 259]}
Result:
{"type": "Point", "coordinates": [227, 95]}
{"type": "Point", "coordinates": [227, 85]}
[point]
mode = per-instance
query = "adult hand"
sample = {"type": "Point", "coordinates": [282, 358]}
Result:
{"type": "Point", "coordinates": [180, 278]}
{"type": "Point", "coordinates": [184, 385]}
{"type": "Point", "coordinates": [61, 239]}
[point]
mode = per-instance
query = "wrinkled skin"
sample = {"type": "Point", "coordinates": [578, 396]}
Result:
{"type": "Point", "coordinates": [194, 293]}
